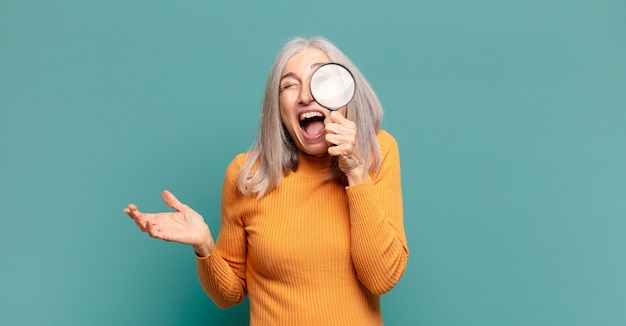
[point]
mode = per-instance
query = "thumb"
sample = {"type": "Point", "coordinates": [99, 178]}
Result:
{"type": "Point", "coordinates": [336, 117]}
{"type": "Point", "coordinates": [172, 201]}
{"type": "Point", "coordinates": [331, 118]}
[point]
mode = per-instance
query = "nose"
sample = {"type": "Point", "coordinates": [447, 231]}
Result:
{"type": "Point", "coordinates": [305, 94]}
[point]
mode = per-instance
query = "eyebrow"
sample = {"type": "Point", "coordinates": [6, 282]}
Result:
{"type": "Point", "coordinates": [291, 74]}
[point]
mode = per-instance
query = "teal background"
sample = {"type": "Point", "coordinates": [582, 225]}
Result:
{"type": "Point", "coordinates": [510, 116]}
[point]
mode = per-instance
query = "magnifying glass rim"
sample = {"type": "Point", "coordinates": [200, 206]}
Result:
{"type": "Point", "coordinates": [351, 76]}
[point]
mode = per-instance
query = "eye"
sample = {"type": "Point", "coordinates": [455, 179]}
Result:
{"type": "Point", "coordinates": [288, 86]}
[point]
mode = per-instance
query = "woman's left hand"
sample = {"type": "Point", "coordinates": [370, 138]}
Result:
{"type": "Point", "coordinates": [342, 136]}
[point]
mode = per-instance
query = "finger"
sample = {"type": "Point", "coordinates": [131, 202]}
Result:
{"type": "Point", "coordinates": [172, 201]}
{"type": "Point", "coordinates": [135, 213]}
{"type": "Point", "coordinates": [337, 117]}
{"type": "Point", "coordinates": [337, 149]}
{"type": "Point", "coordinates": [156, 229]}
{"type": "Point", "coordinates": [342, 151]}
{"type": "Point", "coordinates": [345, 127]}
{"type": "Point", "coordinates": [332, 128]}
{"type": "Point", "coordinates": [341, 139]}
{"type": "Point", "coordinates": [332, 139]}
{"type": "Point", "coordinates": [140, 218]}
{"type": "Point", "coordinates": [129, 210]}
{"type": "Point", "coordinates": [151, 229]}
{"type": "Point", "coordinates": [341, 133]}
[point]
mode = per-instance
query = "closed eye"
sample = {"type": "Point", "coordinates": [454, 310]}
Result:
{"type": "Point", "coordinates": [288, 86]}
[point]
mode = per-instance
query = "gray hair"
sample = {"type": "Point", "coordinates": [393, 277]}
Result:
{"type": "Point", "coordinates": [274, 153]}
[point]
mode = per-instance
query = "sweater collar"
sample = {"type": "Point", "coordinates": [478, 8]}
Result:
{"type": "Point", "coordinates": [312, 166]}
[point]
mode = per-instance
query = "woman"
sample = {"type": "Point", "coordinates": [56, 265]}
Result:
{"type": "Point", "coordinates": [312, 226]}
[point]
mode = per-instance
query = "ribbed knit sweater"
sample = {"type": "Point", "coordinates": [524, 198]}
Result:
{"type": "Point", "coordinates": [310, 252]}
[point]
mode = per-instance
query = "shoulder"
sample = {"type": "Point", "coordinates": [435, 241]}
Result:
{"type": "Point", "coordinates": [235, 166]}
{"type": "Point", "coordinates": [230, 188]}
{"type": "Point", "coordinates": [389, 154]}
{"type": "Point", "coordinates": [386, 142]}
{"type": "Point", "coordinates": [239, 161]}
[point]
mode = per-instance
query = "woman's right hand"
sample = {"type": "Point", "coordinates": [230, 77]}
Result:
{"type": "Point", "coordinates": [184, 225]}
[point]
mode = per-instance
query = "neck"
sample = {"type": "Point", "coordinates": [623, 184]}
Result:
{"type": "Point", "coordinates": [309, 165]}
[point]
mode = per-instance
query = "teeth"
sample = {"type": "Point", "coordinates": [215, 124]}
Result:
{"type": "Point", "coordinates": [308, 115]}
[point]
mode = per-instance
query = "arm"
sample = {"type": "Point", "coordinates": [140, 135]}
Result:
{"type": "Point", "coordinates": [222, 273]}
{"type": "Point", "coordinates": [379, 247]}
{"type": "Point", "coordinates": [221, 267]}
{"type": "Point", "coordinates": [378, 242]}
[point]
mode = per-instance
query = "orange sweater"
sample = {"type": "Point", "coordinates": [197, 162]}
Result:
{"type": "Point", "coordinates": [310, 252]}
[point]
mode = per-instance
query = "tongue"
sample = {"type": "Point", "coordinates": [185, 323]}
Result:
{"type": "Point", "coordinates": [314, 128]}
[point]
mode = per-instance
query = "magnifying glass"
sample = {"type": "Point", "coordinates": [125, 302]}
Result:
{"type": "Point", "coordinates": [332, 85]}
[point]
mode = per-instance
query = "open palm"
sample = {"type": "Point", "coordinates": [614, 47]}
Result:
{"type": "Point", "coordinates": [184, 225]}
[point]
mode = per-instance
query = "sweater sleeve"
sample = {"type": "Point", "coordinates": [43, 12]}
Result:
{"type": "Point", "coordinates": [223, 273]}
{"type": "Point", "coordinates": [379, 247]}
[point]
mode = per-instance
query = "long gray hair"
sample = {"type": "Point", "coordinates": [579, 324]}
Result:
{"type": "Point", "coordinates": [274, 153]}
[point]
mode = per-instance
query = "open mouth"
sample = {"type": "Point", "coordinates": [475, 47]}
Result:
{"type": "Point", "coordinates": [312, 124]}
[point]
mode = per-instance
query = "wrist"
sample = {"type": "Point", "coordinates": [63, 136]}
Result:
{"type": "Point", "coordinates": [205, 247]}
{"type": "Point", "coordinates": [203, 250]}
{"type": "Point", "coordinates": [357, 176]}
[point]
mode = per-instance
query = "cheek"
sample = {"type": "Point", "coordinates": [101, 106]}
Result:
{"type": "Point", "coordinates": [286, 107]}
{"type": "Point", "coordinates": [284, 114]}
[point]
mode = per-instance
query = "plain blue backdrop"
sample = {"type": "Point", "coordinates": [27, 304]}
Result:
{"type": "Point", "coordinates": [510, 116]}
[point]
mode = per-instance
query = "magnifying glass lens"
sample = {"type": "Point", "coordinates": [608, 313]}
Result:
{"type": "Point", "coordinates": [332, 86]}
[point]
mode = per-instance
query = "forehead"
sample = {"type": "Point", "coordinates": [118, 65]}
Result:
{"type": "Point", "coordinates": [305, 59]}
